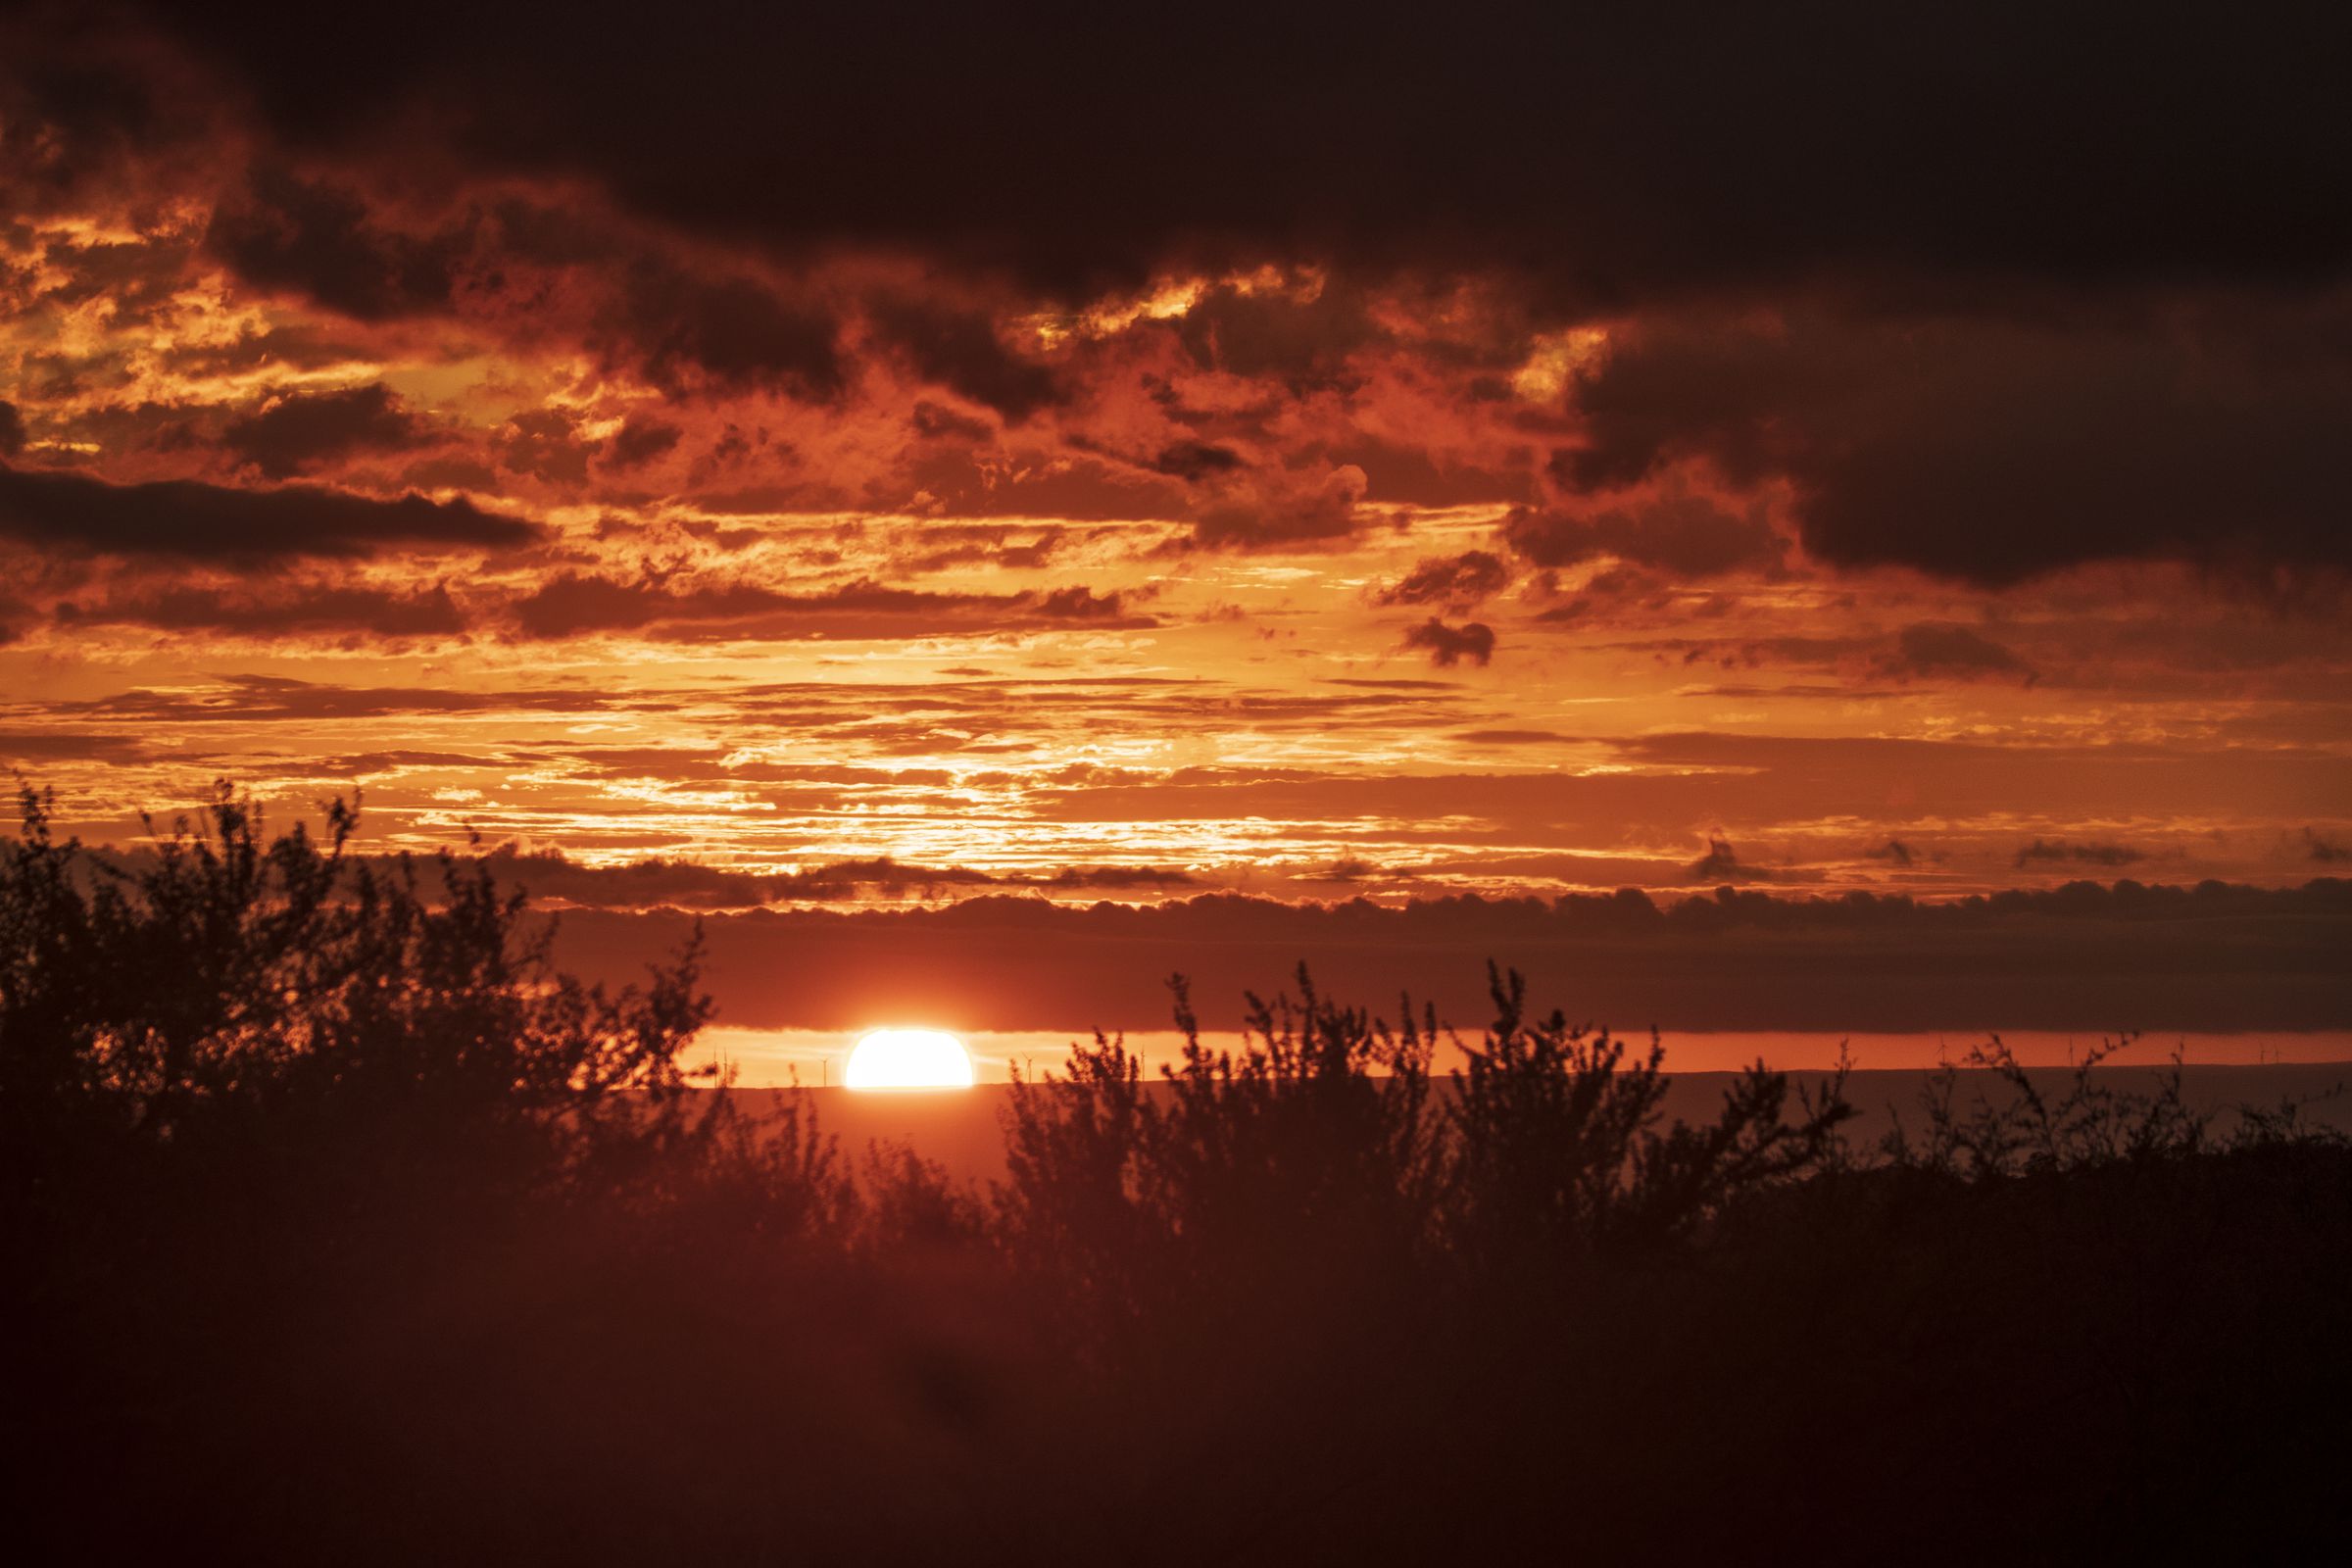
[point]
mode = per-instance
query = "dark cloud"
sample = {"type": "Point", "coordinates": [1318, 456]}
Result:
{"type": "Point", "coordinates": [684, 323]}
{"type": "Point", "coordinates": [1285, 512]}
{"type": "Point", "coordinates": [960, 350]}
{"type": "Point", "coordinates": [639, 441]}
{"type": "Point", "coordinates": [1407, 471]}
{"type": "Point", "coordinates": [1299, 337]}
{"type": "Point", "coordinates": [181, 517]}
{"type": "Point", "coordinates": [937, 421]}
{"type": "Point", "coordinates": [294, 431]}
{"type": "Point", "coordinates": [1462, 579]}
{"type": "Point", "coordinates": [1117, 876]}
{"type": "Point", "coordinates": [2045, 850]}
{"type": "Point", "coordinates": [684, 329]}
{"type": "Point", "coordinates": [1894, 850]}
{"type": "Point", "coordinates": [1934, 648]}
{"type": "Point", "coordinates": [1690, 536]}
{"type": "Point", "coordinates": [1077, 603]}
{"type": "Point", "coordinates": [571, 603]}
{"type": "Point", "coordinates": [955, 544]}
{"type": "Point", "coordinates": [12, 429]}
{"type": "Point", "coordinates": [687, 885]}
{"type": "Point", "coordinates": [544, 444]}
{"type": "Point", "coordinates": [1078, 486]}
{"type": "Point", "coordinates": [1716, 148]}
{"type": "Point", "coordinates": [1448, 646]}
{"type": "Point", "coordinates": [2324, 850]}
{"type": "Point", "coordinates": [261, 699]}
{"type": "Point", "coordinates": [1923, 650]}
{"type": "Point", "coordinates": [321, 240]}
{"type": "Point", "coordinates": [450, 473]}
{"type": "Point", "coordinates": [326, 609]}
{"type": "Point", "coordinates": [1721, 862]}
{"type": "Point", "coordinates": [69, 746]}
{"type": "Point", "coordinates": [2084, 956]}
{"type": "Point", "coordinates": [684, 884]}
{"type": "Point", "coordinates": [2105, 321]}
{"type": "Point", "coordinates": [1509, 737]}
{"type": "Point", "coordinates": [1194, 460]}
{"type": "Point", "coordinates": [1989, 450]}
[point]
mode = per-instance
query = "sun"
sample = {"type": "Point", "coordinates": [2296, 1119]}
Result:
{"type": "Point", "coordinates": [909, 1059]}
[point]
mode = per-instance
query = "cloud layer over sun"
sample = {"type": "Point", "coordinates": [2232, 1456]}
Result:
{"type": "Point", "coordinates": [1319, 455]}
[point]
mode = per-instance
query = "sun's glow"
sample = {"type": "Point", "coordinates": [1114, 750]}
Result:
{"type": "Point", "coordinates": [909, 1059]}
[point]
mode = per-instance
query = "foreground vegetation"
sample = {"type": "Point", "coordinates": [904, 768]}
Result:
{"type": "Point", "coordinates": [335, 1224]}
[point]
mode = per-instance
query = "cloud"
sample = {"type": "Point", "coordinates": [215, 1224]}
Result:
{"type": "Point", "coordinates": [1463, 579]}
{"type": "Point", "coordinates": [1114, 876]}
{"type": "Point", "coordinates": [1195, 460]}
{"type": "Point", "coordinates": [688, 885]}
{"type": "Point", "coordinates": [1895, 851]}
{"type": "Point", "coordinates": [12, 429]}
{"type": "Point", "coordinates": [293, 432]}
{"type": "Point", "coordinates": [959, 350]}
{"type": "Point", "coordinates": [321, 240]}
{"type": "Point", "coordinates": [2324, 850]}
{"type": "Point", "coordinates": [1299, 337]}
{"type": "Point", "coordinates": [1448, 646]}
{"type": "Point", "coordinates": [639, 441]}
{"type": "Point", "coordinates": [74, 746]}
{"type": "Point", "coordinates": [1285, 510]}
{"type": "Point", "coordinates": [2087, 853]}
{"type": "Point", "coordinates": [1931, 649]}
{"type": "Point", "coordinates": [531, 266]}
{"type": "Point", "coordinates": [1989, 450]}
{"type": "Point", "coordinates": [1690, 536]}
{"type": "Point", "coordinates": [1439, 465]}
{"type": "Point", "coordinates": [312, 609]}
{"type": "Point", "coordinates": [1985, 377]}
{"type": "Point", "coordinates": [687, 331]}
{"type": "Point", "coordinates": [1078, 603]}
{"type": "Point", "coordinates": [1846, 147]}
{"type": "Point", "coordinates": [2081, 956]}
{"type": "Point", "coordinates": [1721, 862]}
{"type": "Point", "coordinates": [259, 699]}
{"type": "Point", "coordinates": [571, 603]}
{"type": "Point", "coordinates": [1509, 737]}
{"type": "Point", "coordinates": [184, 518]}
{"type": "Point", "coordinates": [544, 444]}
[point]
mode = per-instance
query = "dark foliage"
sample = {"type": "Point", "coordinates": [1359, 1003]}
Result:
{"type": "Point", "coordinates": [338, 1226]}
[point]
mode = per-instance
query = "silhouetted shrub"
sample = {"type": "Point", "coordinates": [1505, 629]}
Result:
{"type": "Point", "coordinates": [337, 1224]}
{"type": "Point", "coordinates": [1555, 1150]}
{"type": "Point", "coordinates": [236, 994]}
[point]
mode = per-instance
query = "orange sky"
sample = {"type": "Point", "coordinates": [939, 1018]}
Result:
{"type": "Point", "coordinates": [490, 489]}
{"type": "Point", "coordinates": [900, 624]}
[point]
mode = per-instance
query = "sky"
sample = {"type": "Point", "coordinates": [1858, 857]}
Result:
{"type": "Point", "coordinates": [1065, 464]}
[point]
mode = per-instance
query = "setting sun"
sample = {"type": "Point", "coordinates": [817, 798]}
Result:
{"type": "Point", "coordinates": [909, 1059]}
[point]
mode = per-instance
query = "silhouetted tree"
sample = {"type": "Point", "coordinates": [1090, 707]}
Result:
{"type": "Point", "coordinates": [1555, 1148]}
{"type": "Point", "coordinates": [1305, 1151]}
{"type": "Point", "coordinates": [1071, 1203]}
{"type": "Point", "coordinates": [1315, 1132]}
{"type": "Point", "coordinates": [230, 998]}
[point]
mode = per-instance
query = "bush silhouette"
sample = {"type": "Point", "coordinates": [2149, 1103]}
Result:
{"type": "Point", "coordinates": [337, 1223]}
{"type": "Point", "coordinates": [235, 988]}
{"type": "Point", "coordinates": [1555, 1152]}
